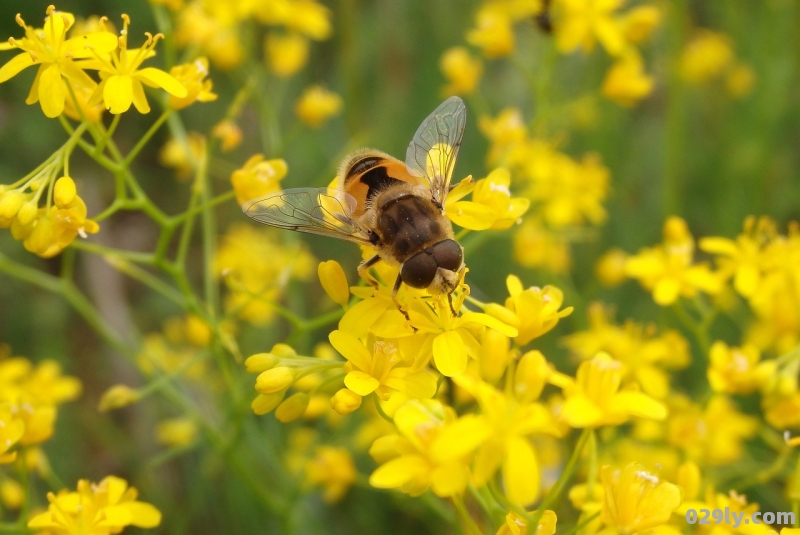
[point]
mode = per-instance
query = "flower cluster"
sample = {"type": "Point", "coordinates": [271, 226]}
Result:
{"type": "Point", "coordinates": [29, 399]}
{"type": "Point", "coordinates": [562, 193]}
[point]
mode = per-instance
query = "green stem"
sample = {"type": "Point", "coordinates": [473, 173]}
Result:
{"type": "Point", "coordinates": [380, 409]}
{"type": "Point", "coordinates": [145, 138]}
{"type": "Point", "coordinates": [458, 501]}
{"type": "Point", "coordinates": [563, 480]}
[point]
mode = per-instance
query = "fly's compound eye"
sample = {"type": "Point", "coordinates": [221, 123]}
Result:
{"type": "Point", "coordinates": [419, 270]}
{"type": "Point", "coordinates": [448, 255]}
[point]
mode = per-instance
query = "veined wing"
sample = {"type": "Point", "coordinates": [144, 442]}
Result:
{"type": "Point", "coordinates": [433, 151]}
{"type": "Point", "coordinates": [323, 211]}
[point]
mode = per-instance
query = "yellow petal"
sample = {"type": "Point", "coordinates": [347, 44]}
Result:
{"type": "Point", "coordinates": [116, 516]}
{"type": "Point", "coordinates": [52, 92]}
{"type": "Point", "coordinates": [471, 215]}
{"type": "Point", "coordinates": [638, 404]}
{"type": "Point", "coordinates": [449, 480]}
{"type": "Point", "coordinates": [520, 472]}
{"type": "Point", "coordinates": [397, 471]}
{"type": "Point", "coordinates": [419, 385]}
{"type": "Point", "coordinates": [144, 515]}
{"type": "Point", "coordinates": [159, 78]}
{"type": "Point", "coordinates": [14, 66]}
{"type": "Point", "coordinates": [487, 461]}
{"type": "Point", "coordinates": [118, 93]}
{"type": "Point", "coordinates": [450, 354]}
{"type": "Point", "coordinates": [459, 438]}
{"type": "Point", "coordinates": [488, 321]}
{"type": "Point", "coordinates": [361, 383]}
{"type": "Point", "coordinates": [579, 411]}
{"type": "Point", "coordinates": [666, 291]}
{"type": "Point", "coordinates": [139, 98]}
{"type": "Point", "coordinates": [351, 348]}
{"type": "Point", "coordinates": [83, 46]}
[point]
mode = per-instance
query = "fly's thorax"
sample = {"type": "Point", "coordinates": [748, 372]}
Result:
{"type": "Point", "coordinates": [407, 223]}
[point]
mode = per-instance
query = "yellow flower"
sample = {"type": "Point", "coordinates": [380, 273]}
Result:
{"type": "Point", "coordinates": [537, 247]}
{"type": "Point", "coordinates": [432, 449]}
{"type": "Point", "coordinates": [740, 80]}
{"type": "Point", "coordinates": [505, 132]}
{"type": "Point", "coordinates": [286, 54]}
{"type": "Point", "coordinates": [514, 525]}
{"type": "Point", "coordinates": [636, 500]}
{"type": "Point", "coordinates": [211, 26]}
{"type": "Point", "coordinates": [122, 78]}
{"type": "Point", "coordinates": [536, 309]}
{"type": "Point", "coordinates": [56, 228]}
{"type": "Point", "coordinates": [54, 53]}
{"type": "Point", "coordinates": [493, 191]}
{"type": "Point", "coordinates": [646, 355]}
{"type": "Point", "coordinates": [183, 156]}
{"type": "Point", "coordinates": [333, 469]}
{"type": "Point", "coordinates": [667, 271]}
{"type": "Point", "coordinates": [570, 192]}
{"type": "Point", "coordinates": [316, 105]}
{"type": "Point", "coordinates": [381, 370]}
{"type": "Point", "coordinates": [610, 269]}
{"type": "Point", "coordinates": [462, 71]}
{"type": "Point", "coordinates": [494, 34]}
{"type": "Point", "coordinates": [714, 434]}
{"type": "Point", "coordinates": [304, 16]}
{"type": "Point", "coordinates": [509, 424]}
{"type": "Point", "coordinates": [192, 76]}
{"type": "Point", "coordinates": [745, 258]}
{"type": "Point", "coordinates": [11, 431]}
{"type": "Point", "coordinates": [594, 398]}
{"type": "Point", "coordinates": [626, 82]}
{"type": "Point", "coordinates": [452, 339]}
{"type": "Point", "coordinates": [734, 370]}
{"type": "Point", "coordinates": [586, 21]}
{"type": "Point", "coordinates": [334, 282]}
{"type": "Point", "coordinates": [229, 133]}
{"type": "Point", "coordinates": [95, 509]}
{"type": "Point", "coordinates": [639, 23]}
{"type": "Point", "coordinates": [468, 214]}
{"type": "Point", "coordinates": [706, 56]}
{"type": "Point", "coordinates": [258, 177]}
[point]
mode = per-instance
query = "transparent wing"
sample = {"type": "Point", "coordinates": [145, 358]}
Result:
{"type": "Point", "coordinates": [323, 211]}
{"type": "Point", "coordinates": [432, 153]}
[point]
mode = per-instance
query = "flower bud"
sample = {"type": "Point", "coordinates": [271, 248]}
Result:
{"type": "Point", "coordinates": [65, 192]}
{"type": "Point", "coordinates": [273, 380]}
{"type": "Point", "coordinates": [198, 333]}
{"type": "Point", "coordinates": [116, 397]}
{"type": "Point", "coordinates": [176, 432]}
{"type": "Point", "coordinates": [41, 237]}
{"type": "Point", "coordinates": [494, 355]}
{"type": "Point", "coordinates": [264, 403]}
{"type": "Point", "coordinates": [11, 494]}
{"type": "Point", "coordinates": [316, 105]}
{"type": "Point", "coordinates": [345, 401]}
{"type": "Point", "coordinates": [27, 212]}
{"type": "Point", "coordinates": [260, 362]}
{"type": "Point", "coordinates": [292, 407]}
{"type": "Point", "coordinates": [10, 203]}
{"type": "Point", "coordinates": [334, 281]}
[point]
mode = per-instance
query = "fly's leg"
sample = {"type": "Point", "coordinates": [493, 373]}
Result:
{"type": "Point", "coordinates": [397, 284]}
{"type": "Point", "coordinates": [363, 270]}
{"type": "Point", "coordinates": [450, 302]}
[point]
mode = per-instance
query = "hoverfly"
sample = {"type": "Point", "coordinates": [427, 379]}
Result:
{"type": "Point", "coordinates": [395, 207]}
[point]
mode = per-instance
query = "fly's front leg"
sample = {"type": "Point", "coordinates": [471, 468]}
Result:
{"type": "Point", "coordinates": [450, 302]}
{"type": "Point", "coordinates": [363, 270]}
{"type": "Point", "coordinates": [397, 284]}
